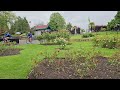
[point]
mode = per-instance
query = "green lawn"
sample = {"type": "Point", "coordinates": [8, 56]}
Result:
{"type": "Point", "coordinates": [76, 36]}
{"type": "Point", "coordinates": [19, 66]}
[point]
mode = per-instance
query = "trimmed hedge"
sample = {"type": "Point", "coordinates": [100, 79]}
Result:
{"type": "Point", "coordinates": [87, 35]}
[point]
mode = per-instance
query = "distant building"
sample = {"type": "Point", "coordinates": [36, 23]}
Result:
{"type": "Point", "coordinates": [98, 27]}
{"type": "Point", "coordinates": [38, 30]}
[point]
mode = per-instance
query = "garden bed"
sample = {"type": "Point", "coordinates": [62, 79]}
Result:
{"type": "Point", "coordinates": [60, 69]}
{"type": "Point", "coordinates": [8, 52]}
{"type": "Point", "coordinates": [65, 69]}
{"type": "Point", "coordinates": [104, 70]}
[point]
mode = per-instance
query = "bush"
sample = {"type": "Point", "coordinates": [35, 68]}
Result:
{"type": "Point", "coordinates": [107, 42]}
{"type": "Point", "coordinates": [91, 35]}
{"type": "Point", "coordinates": [46, 36]}
{"type": "Point", "coordinates": [62, 42]}
{"type": "Point", "coordinates": [87, 35]}
{"type": "Point", "coordinates": [50, 37]}
{"type": "Point", "coordinates": [63, 34]}
{"type": "Point", "coordinates": [40, 37]}
{"type": "Point", "coordinates": [103, 29]}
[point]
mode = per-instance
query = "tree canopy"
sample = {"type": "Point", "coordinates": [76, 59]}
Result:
{"type": "Point", "coordinates": [7, 18]}
{"type": "Point", "coordinates": [114, 22]}
{"type": "Point", "coordinates": [20, 25]}
{"type": "Point", "coordinates": [69, 26]}
{"type": "Point", "coordinates": [57, 22]}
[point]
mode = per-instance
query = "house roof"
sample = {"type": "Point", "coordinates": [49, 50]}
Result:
{"type": "Point", "coordinates": [41, 27]}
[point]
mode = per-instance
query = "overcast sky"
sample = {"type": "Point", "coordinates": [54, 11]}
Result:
{"type": "Point", "coordinates": [77, 18]}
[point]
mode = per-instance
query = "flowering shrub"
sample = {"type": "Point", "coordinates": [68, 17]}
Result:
{"type": "Point", "coordinates": [107, 42]}
{"type": "Point", "coordinates": [50, 37]}
{"type": "Point", "coordinates": [63, 34]}
{"type": "Point", "coordinates": [62, 42]}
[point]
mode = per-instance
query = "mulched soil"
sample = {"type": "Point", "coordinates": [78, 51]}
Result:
{"type": "Point", "coordinates": [47, 70]}
{"type": "Point", "coordinates": [9, 52]}
{"type": "Point", "coordinates": [104, 70]}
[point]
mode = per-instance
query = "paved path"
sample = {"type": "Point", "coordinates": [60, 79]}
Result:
{"type": "Point", "coordinates": [21, 42]}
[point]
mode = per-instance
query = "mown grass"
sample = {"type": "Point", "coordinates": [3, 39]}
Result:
{"type": "Point", "coordinates": [18, 66]}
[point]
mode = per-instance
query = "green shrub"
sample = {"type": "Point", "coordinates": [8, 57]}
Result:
{"type": "Point", "coordinates": [91, 35]}
{"type": "Point", "coordinates": [87, 35]}
{"type": "Point", "coordinates": [40, 37]}
{"type": "Point", "coordinates": [46, 36]}
{"type": "Point", "coordinates": [107, 42]}
{"type": "Point", "coordinates": [50, 37]}
{"type": "Point", "coordinates": [63, 34]}
{"type": "Point", "coordinates": [62, 42]}
{"type": "Point", "coordinates": [103, 29]}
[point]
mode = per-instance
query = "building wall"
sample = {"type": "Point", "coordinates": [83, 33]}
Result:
{"type": "Point", "coordinates": [37, 33]}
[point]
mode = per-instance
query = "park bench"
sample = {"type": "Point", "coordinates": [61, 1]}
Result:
{"type": "Point", "coordinates": [13, 39]}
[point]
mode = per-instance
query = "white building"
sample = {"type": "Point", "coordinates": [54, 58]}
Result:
{"type": "Point", "coordinates": [38, 30]}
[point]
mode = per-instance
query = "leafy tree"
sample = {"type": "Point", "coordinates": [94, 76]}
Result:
{"type": "Point", "coordinates": [20, 25]}
{"type": "Point", "coordinates": [114, 22]}
{"type": "Point", "coordinates": [6, 17]}
{"type": "Point", "coordinates": [111, 25]}
{"type": "Point", "coordinates": [69, 26]}
{"type": "Point", "coordinates": [117, 17]}
{"type": "Point", "coordinates": [57, 22]}
{"type": "Point", "coordinates": [26, 25]}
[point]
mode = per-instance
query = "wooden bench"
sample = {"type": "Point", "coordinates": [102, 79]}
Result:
{"type": "Point", "coordinates": [13, 39]}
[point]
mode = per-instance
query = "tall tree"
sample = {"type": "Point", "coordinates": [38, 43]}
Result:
{"type": "Point", "coordinates": [57, 22]}
{"type": "Point", "coordinates": [69, 26]}
{"type": "Point", "coordinates": [111, 25]}
{"type": "Point", "coordinates": [114, 22]}
{"type": "Point", "coordinates": [6, 20]}
{"type": "Point", "coordinates": [20, 25]}
{"type": "Point", "coordinates": [26, 25]}
{"type": "Point", "coordinates": [117, 17]}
